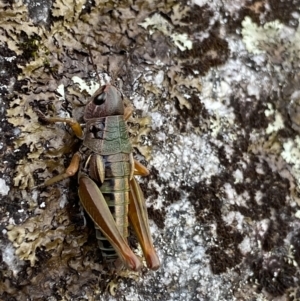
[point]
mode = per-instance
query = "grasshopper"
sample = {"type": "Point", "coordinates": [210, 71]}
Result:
{"type": "Point", "coordinates": [108, 190]}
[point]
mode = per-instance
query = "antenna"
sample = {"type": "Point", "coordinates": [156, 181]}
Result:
{"type": "Point", "coordinates": [95, 67]}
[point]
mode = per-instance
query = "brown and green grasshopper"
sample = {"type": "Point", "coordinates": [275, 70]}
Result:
{"type": "Point", "coordinates": [108, 190]}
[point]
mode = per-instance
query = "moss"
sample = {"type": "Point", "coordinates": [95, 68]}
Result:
{"type": "Point", "coordinates": [250, 114]}
{"type": "Point", "coordinates": [13, 158]}
{"type": "Point", "coordinates": [295, 242]}
{"type": "Point", "coordinates": [29, 45]}
{"type": "Point", "coordinates": [169, 194]}
{"type": "Point", "coordinates": [8, 66]}
{"type": "Point", "coordinates": [235, 22]}
{"type": "Point", "coordinates": [195, 116]}
{"type": "Point", "coordinates": [208, 207]}
{"type": "Point", "coordinates": [158, 216]}
{"type": "Point", "coordinates": [197, 20]}
{"type": "Point", "coordinates": [211, 52]}
{"type": "Point", "coordinates": [273, 274]}
{"type": "Point", "coordinates": [220, 261]}
{"type": "Point", "coordinates": [271, 206]}
{"type": "Point", "coordinates": [275, 234]}
{"type": "Point", "coordinates": [284, 12]}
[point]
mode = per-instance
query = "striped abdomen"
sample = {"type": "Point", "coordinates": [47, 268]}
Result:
{"type": "Point", "coordinates": [115, 189]}
{"type": "Point", "coordinates": [109, 167]}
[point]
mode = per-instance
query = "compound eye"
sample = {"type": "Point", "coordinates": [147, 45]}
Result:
{"type": "Point", "coordinates": [100, 99]}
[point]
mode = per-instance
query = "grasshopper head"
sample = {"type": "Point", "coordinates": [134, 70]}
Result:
{"type": "Point", "coordinates": [107, 101]}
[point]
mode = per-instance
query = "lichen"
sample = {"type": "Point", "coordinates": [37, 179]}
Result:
{"type": "Point", "coordinates": [256, 38]}
{"type": "Point", "coordinates": [211, 114]}
{"type": "Point", "coordinates": [277, 41]}
{"type": "Point", "coordinates": [157, 22]}
{"type": "Point", "coordinates": [291, 154]}
{"type": "Point", "coordinates": [13, 20]}
{"type": "Point", "coordinates": [58, 78]}
{"type": "Point", "coordinates": [47, 229]}
{"type": "Point", "coordinates": [4, 189]}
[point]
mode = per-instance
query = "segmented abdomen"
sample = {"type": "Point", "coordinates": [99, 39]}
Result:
{"type": "Point", "coordinates": [115, 190]}
{"type": "Point", "coordinates": [109, 166]}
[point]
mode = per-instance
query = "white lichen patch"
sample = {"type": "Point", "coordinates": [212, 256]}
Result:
{"type": "Point", "coordinates": [276, 121]}
{"type": "Point", "coordinates": [157, 22]}
{"type": "Point", "coordinates": [181, 41]}
{"type": "Point", "coordinates": [200, 2]}
{"type": "Point", "coordinates": [279, 42]}
{"type": "Point", "coordinates": [297, 214]}
{"type": "Point", "coordinates": [9, 257]}
{"type": "Point", "coordinates": [291, 154]}
{"type": "Point", "coordinates": [262, 227]}
{"type": "Point", "coordinates": [233, 198]}
{"type": "Point", "coordinates": [190, 157]}
{"type": "Point", "coordinates": [276, 125]}
{"type": "Point", "coordinates": [234, 218]}
{"type": "Point", "coordinates": [61, 91]}
{"type": "Point", "coordinates": [245, 246]}
{"type": "Point", "coordinates": [256, 37]}
{"type": "Point", "coordinates": [159, 78]}
{"type": "Point", "coordinates": [90, 88]}
{"type": "Point", "coordinates": [238, 174]}
{"type": "Point", "coordinates": [4, 189]}
{"type": "Point", "coordinates": [180, 265]}
{"type": "Point", "coordinates": [215, 96]}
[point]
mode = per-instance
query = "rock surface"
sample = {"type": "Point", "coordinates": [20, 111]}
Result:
{"type": "Point", "coordinates": [215, 89]}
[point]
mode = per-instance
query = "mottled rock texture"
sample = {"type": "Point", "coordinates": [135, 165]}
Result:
{"type": "Point", "coordinates": [215, 90]}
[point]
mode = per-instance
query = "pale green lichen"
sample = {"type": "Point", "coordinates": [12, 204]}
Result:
{"type": "Point", "coordinates": [13, 19]}
{"type": "Point", "coordinates": [84, 86]}
{"type": "Point", "coordinates": [256, 37]}
{"type": "Point", "coordinates": [47, 229]}
{"type": "Point", "coordinates": [276, 125]}
{"type": "Point", "coordinates": [182, 41]}
{"type": "Point", "coordinates": [157, 22]}
{"type": "Point", "coordinates": [280, 43]}
{"type": "Point", "coordinates": [291, 154]}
